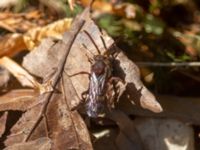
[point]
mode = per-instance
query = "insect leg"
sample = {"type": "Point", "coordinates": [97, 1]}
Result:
{"type": "Point", "coordinates": [79, 73]}
{"type": "Point", "coordinates": [110, 98]}
{"type": "Point", "coordinates": [116, 79]}
{"type": "Point", "coordinates": [84, 96]}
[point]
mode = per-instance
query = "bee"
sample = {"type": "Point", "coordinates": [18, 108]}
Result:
{"type": "Point", "coordinates": [98, 97]}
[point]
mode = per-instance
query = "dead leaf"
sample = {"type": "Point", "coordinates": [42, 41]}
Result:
{"type": "Point", "coordinates": [52, 116]}
{"type": "Point", "coordinates": [18, 100]}
{"type": "Point", "coordinates": [126, 139]}
{"type": "Point", "coordinates": [53, 60]}
{"type": "Point", "coordinates": [134, 90]}
{"type": "Point", "coordinates": [23, 76]}
{"type": "Point", "coordinates": [127, 10]}
{"type": "Point", "coordinates": [65, 128]}
{"type": "Point", "coordinates": [104, 7]}
{"type": "Point", "coordinates": [22, 22]}
{"type": "Point", "coordinates": [39, 144]}
{"type": "Point", "coordinates": [3, 119]}
{"type": "Point", "coordinates": [12, 44]}
{"type": "Point", "coordinates": [33, 37]}
{"type": "Point", "coordinates": [23, 126]}
{"type": "Point", "coordinates": [125, 68]}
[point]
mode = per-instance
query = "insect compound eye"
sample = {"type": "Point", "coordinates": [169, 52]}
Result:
{"type": "Point", "coordinates": [98, 68]}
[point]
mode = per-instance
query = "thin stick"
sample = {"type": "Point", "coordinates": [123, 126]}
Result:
{"type": "Point", "coordinates": [169, 64]}
{"type": "Point", "coordinates": [56, 78]}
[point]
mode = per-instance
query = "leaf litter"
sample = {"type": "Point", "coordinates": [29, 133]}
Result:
{"type": "Point", "coordinates": [50, 114]}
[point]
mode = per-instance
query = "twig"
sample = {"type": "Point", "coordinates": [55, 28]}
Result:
{"type": "Point", "coordinates": [169, 64]}
{"type": "Point", "coordinates": [56, 78]}
{"type": "Point", "coordinates": [197, 78]}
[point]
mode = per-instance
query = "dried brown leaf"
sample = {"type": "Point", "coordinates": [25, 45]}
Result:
{"type": "Point", "coordinates": [104, 7]}
{"type": "Point", "coordinates": [18, 100]}
{"type": "Point", "coordinates": [23, 76]}
{"type": "Point", "coordinates": [125, 68]}
{"type": "Point", "coordinates": [11, 44]}
{"type": "Point", "coordinates": [134, 90]}
{"type": "Point", "coordinates": [52, 116]}
{"type": "Point", "coordinates": [126, 10]}
{"type": "Point", "coordinates": [23, 126]}
{"type": "Point", "coordinates": [38, 144]}
{"type": "Point", "coordinates": [65, 128]}
{"type": "Point", "coordinates": [15, 22]}
{"type": "Point", "coordinates": [33, 37]}
{"type": "Point", "coordinates": [3, 119]}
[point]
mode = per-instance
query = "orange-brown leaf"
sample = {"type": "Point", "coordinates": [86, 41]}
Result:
{"type": "Point", "coordinates": [38, 144]}
{"type": "Point", "coordinates": [17, 100]}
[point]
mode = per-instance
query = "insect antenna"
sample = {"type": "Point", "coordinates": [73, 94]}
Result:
{"type": "Point", "coordinates": [104, 44]}
{"type": "Point", "coordinates": [98, 50]}
{"type": "Point", "coordinates": [88, 49]}
{"type": "Point", "coordinates": [89, 59]}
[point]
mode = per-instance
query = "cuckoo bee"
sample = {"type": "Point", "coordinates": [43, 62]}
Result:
{"type": "Point", "coordinates": [99, 95]}
{"type": "Point", "coordinates": [97, 98]}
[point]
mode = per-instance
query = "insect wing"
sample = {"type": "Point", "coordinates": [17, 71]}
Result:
{"type": "Point", "coordinates": [96, 92]}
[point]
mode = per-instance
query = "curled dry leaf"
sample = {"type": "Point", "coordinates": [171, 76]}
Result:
{"type": "Point", "coordinates": [39, 144]}
{"type": "Point", "coordinates": [12, 44]}
{"type": "Point", "coordinates": [104, 7]}
{"type": "Point", "coordinates": [23, 76]}
{"type": "Point", "coordinates": [18, 100]}
{"type": "Point", "coordinates": [3, 119]}
{"type": "Point", "coordinates": [127, 10]}
{"type": "Point", "coordinates": [34, 37]}
{"type": "Point", "coordinates": [125, 68]}
{"type": "Point", "coordinates": [134, 90]}
{"type": "Point", "coordinates": [22, 22]}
